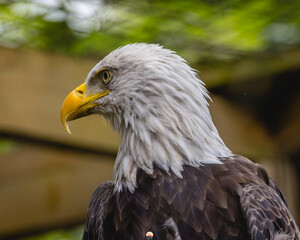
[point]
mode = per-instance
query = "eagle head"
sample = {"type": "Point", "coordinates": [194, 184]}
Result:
{"type": "Point", "coordinates": [158, 105]}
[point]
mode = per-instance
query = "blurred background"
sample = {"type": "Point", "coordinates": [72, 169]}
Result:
{"type": "Point", "coordinates": [247, 52]}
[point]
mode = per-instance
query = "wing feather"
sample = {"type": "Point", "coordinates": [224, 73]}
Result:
{"type": "Point", "coordinates": [97, 212]}
{"type": "Point", "coordinates": [266, 213]}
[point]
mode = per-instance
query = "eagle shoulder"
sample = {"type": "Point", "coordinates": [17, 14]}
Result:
{"type": "Point", "coordinates": [97, 211]}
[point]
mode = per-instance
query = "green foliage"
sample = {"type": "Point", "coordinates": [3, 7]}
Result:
{"type": "Point", "coordinates": [199, 30]}
{"type": "Point", "coordinates": [72, 234]}
{"type": "Point", "coordinates": [6, 145]}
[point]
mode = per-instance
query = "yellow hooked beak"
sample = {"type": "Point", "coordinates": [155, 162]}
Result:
{"type": "Point", "coordinates": [76, 105]}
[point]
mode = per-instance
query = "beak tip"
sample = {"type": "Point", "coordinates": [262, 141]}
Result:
{"type": "Point", "coordinates": [66, 126]}
{"type": "Point", "coordinates": [65, 123]}
{"type": "Point", "coordinates": [68, 130]}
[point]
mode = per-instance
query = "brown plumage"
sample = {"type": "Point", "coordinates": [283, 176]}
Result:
{"type": "Point", "coordinates": [233, 200]}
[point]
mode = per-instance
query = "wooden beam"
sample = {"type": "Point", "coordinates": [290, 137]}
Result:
{"type": "Point", "coordinates": [259, 66]}
{"type": "Point", "coordinates": [33, 87]}
{"type": "Point", "coordinates": [288, 139]}
{"type": "Point", "coordinates": [43, 187]}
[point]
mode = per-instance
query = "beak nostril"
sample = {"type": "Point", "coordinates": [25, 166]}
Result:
{"type": "Point", "coordinates": [80, 92]}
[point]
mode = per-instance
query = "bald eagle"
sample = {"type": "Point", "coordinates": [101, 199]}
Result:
{"type": "Point", "coordinates": [173, 175]}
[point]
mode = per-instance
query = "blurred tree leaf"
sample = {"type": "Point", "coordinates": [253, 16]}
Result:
{"type": "Point", "coordinates": [71, 234]}
{"type": "Point", "coordinates": [198, 30]}
{"type": "Point", "coordinates": [7, 145]}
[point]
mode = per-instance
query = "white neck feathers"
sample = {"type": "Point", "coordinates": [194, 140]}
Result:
{"type": "Point", "coordinates": [168, 125]}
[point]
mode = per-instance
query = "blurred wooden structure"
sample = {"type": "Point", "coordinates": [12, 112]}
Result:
{"type": "Point", "coordinates": [48, 176]}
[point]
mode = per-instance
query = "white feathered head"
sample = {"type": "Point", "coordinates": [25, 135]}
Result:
{"type": "Point", "coordinates": [158, 105]}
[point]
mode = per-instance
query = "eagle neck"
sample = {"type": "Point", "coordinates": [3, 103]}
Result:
{"type": "Point", "coordinates": [146, 143]}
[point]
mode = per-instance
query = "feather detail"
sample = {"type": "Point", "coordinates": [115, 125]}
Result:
{"type": "Point", "coordinates": [196, 206]}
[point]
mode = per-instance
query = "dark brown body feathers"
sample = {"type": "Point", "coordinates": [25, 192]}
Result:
{"type": "Point", "coordinates": [233, 200]}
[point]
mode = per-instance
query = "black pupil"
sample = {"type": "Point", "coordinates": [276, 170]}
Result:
{"type": "Point", "coordinates": [105, 75]}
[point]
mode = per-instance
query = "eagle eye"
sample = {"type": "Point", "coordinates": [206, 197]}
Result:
{"type": "Point", "coordinates": [105, 76]}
